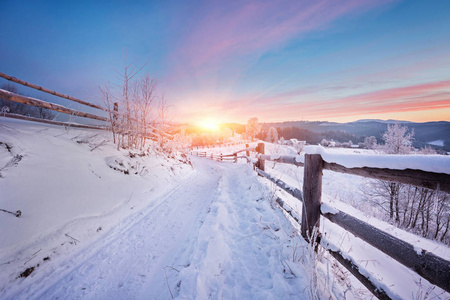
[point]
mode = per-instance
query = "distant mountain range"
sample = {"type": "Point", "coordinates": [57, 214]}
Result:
{"type": "Point", "coordinates": [424, 132]}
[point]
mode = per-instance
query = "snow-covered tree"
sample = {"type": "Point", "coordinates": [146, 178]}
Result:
{"type": "Point", "coordinates": [272, 135]}
{"type": "Point", "coordinates": [299, 146]}
{"type": "Point", "coordinates": [325, 143]}
{"type": "Point", "coordinates": [420, 210]}
{"type": "Point", "coordinates": [370, 142]}
{"type": "Point", "coordinates": [397, 140]}
{"type": "Point", "coordinates": [427, 150]}
{"type": "Point", "coordinates": [349, 144]}
{"type": "Point", "coordinates": [252, 128]}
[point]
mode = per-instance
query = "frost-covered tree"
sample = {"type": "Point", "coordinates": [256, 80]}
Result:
{"type": "Point", "coordinates": [272, 135]}
{"type": "Point", "coordinates": [419, 210]}
{"type": "Point", "coordinates": [370, 142]}
{"type": "Point", "coordinates": [252, 128]}
{"type": "Point", "coordinates": [299, 146]}
{"type": "Point", "coordinates": [349, 144]}
{"type": "Point", "coordinates": [325, 143]}
{"type": "Point", "coordinates": [397, 140]}
{"type": "Point", "coordinates": [427, 150]}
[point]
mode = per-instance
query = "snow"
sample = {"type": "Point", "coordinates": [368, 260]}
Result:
{"type": "Point", "coordinates": [275, 156]}
{"type": "Point", "coordinates": [345, 193]}
{"type": "Point", "coordinates": [102, 223]}
{"type": "Point", "coordinates": [327, 209]}
{"type": "Point", "coordinates": [99, 223]}
{"type": "Point", "coordinates": [430, 163]}
{"type": "Point", "coordinates": [418, 250]}
{"type": "Point", "coordinates": [437, 143]}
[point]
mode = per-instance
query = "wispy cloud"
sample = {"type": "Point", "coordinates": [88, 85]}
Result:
{"type": "Point", "coordinates": [428, 96]}
{"type": "Point", "coordinates": [226, 34]}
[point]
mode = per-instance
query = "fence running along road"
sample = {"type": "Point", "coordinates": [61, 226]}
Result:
{"type": "Point", "coordinates": [429, 266]}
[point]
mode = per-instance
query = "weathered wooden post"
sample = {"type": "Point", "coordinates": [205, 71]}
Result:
{"type": "Point", "coordinates": [235, 158]}
{"type": "Point", "coordinates": [312, 195]}
{"type": "Point", "coordinates": [247, 152]}
{"type": "Point", "coordinates": [261, 162]}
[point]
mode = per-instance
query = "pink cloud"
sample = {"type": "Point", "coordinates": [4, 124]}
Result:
{"type": "Point", "coordinates": [225, 31]}
{"type": "Point", "coordinates": [301, 104]}
{"type": "Point", "coordinates": [428, 96]}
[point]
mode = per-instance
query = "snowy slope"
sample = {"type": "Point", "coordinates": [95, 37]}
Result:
{"type": "Point", "coordinates": [165, 229]}
{"type": "Point", "coordinates": [99, 223]}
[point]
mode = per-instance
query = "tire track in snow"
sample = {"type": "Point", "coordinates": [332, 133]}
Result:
{"type": "Point", "coordinates": [131, 257]}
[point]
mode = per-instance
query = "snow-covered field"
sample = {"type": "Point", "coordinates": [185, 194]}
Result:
{"type": "Point", "coordinates": [439, 143]}
{"type": "Point", "coordinates": [346, 193]}
{"type": "Point", "coordinates": [98, 223]}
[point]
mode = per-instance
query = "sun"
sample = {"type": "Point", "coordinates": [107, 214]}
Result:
{"type": "Point", "coordinates": [209, 125]}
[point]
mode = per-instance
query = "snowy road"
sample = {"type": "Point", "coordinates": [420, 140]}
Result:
{"type": "Point", "coordinates": [130, 259]}
{"type": "Point", "coordinates": [214, 235]}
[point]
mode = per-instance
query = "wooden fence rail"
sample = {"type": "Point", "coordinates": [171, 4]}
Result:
{"type": "Point", "coordinates": [60, 108]}
{"type": "Point", "coordinates": [429, 266]}
{"type": "Point", "coordinates": [40, 88]}
{"type": "Point", "coordinates": [9, 96]}
{"type": "Point", "coordinates": [52, 122]}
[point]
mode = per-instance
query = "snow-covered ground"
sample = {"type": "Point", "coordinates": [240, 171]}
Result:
{"type": "Point", "coordinates": [346, 193]}
{"type": "Point", "coordinates": [439, 143]}
{"type": "Point", "coordinates": [98, 223]}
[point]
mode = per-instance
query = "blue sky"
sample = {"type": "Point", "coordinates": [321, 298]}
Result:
{"type": "Point", "coordinates": [232, 60]}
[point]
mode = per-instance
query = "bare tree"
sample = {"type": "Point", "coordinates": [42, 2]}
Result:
{"type": "Point", "coordinates": [252, 128]}
{"type": "Point", "coordinates": [163, 120]}
{"type": "Point", "coordinates": [420, 210]}
{"type": "Point", "coordinates": [272, 135]}
{"type": "Point", "coordinates": [397, 140]}
{"type": "Point", "coordinates": [107, 101]}
{"type": "Point", "coordinates": [147, 89]}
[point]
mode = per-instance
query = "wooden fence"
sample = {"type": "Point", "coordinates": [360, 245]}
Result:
{"type": "Point", "coordinates": [429, 266]}
{"type": "Point", "coordinates": [9, 96]}
{"type": "Point", "coordinates": [113, 114]}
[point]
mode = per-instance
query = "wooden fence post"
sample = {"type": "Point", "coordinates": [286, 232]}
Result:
{"type": "Point", "coordinates": [247, 152]}
{"type": "Point", "coordinates": [312, 194]}
{"type": "Point", "coordinates": [235, 157]}
{"type": "Point", "coordinates": [261, 162]}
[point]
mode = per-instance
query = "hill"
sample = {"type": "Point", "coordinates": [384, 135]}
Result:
{"type": "Point", "coordinates": [424, 132]}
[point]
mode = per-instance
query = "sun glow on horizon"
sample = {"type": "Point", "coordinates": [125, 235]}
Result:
{"type": "Point", "coordinates": [209, 125]}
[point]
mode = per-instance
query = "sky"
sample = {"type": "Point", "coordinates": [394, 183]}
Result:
{"type": "Point", "coordinates": [232, 60]}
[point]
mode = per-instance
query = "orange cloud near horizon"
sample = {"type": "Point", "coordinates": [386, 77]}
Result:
{"type": "Point", "coordinates": [420, 103]}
